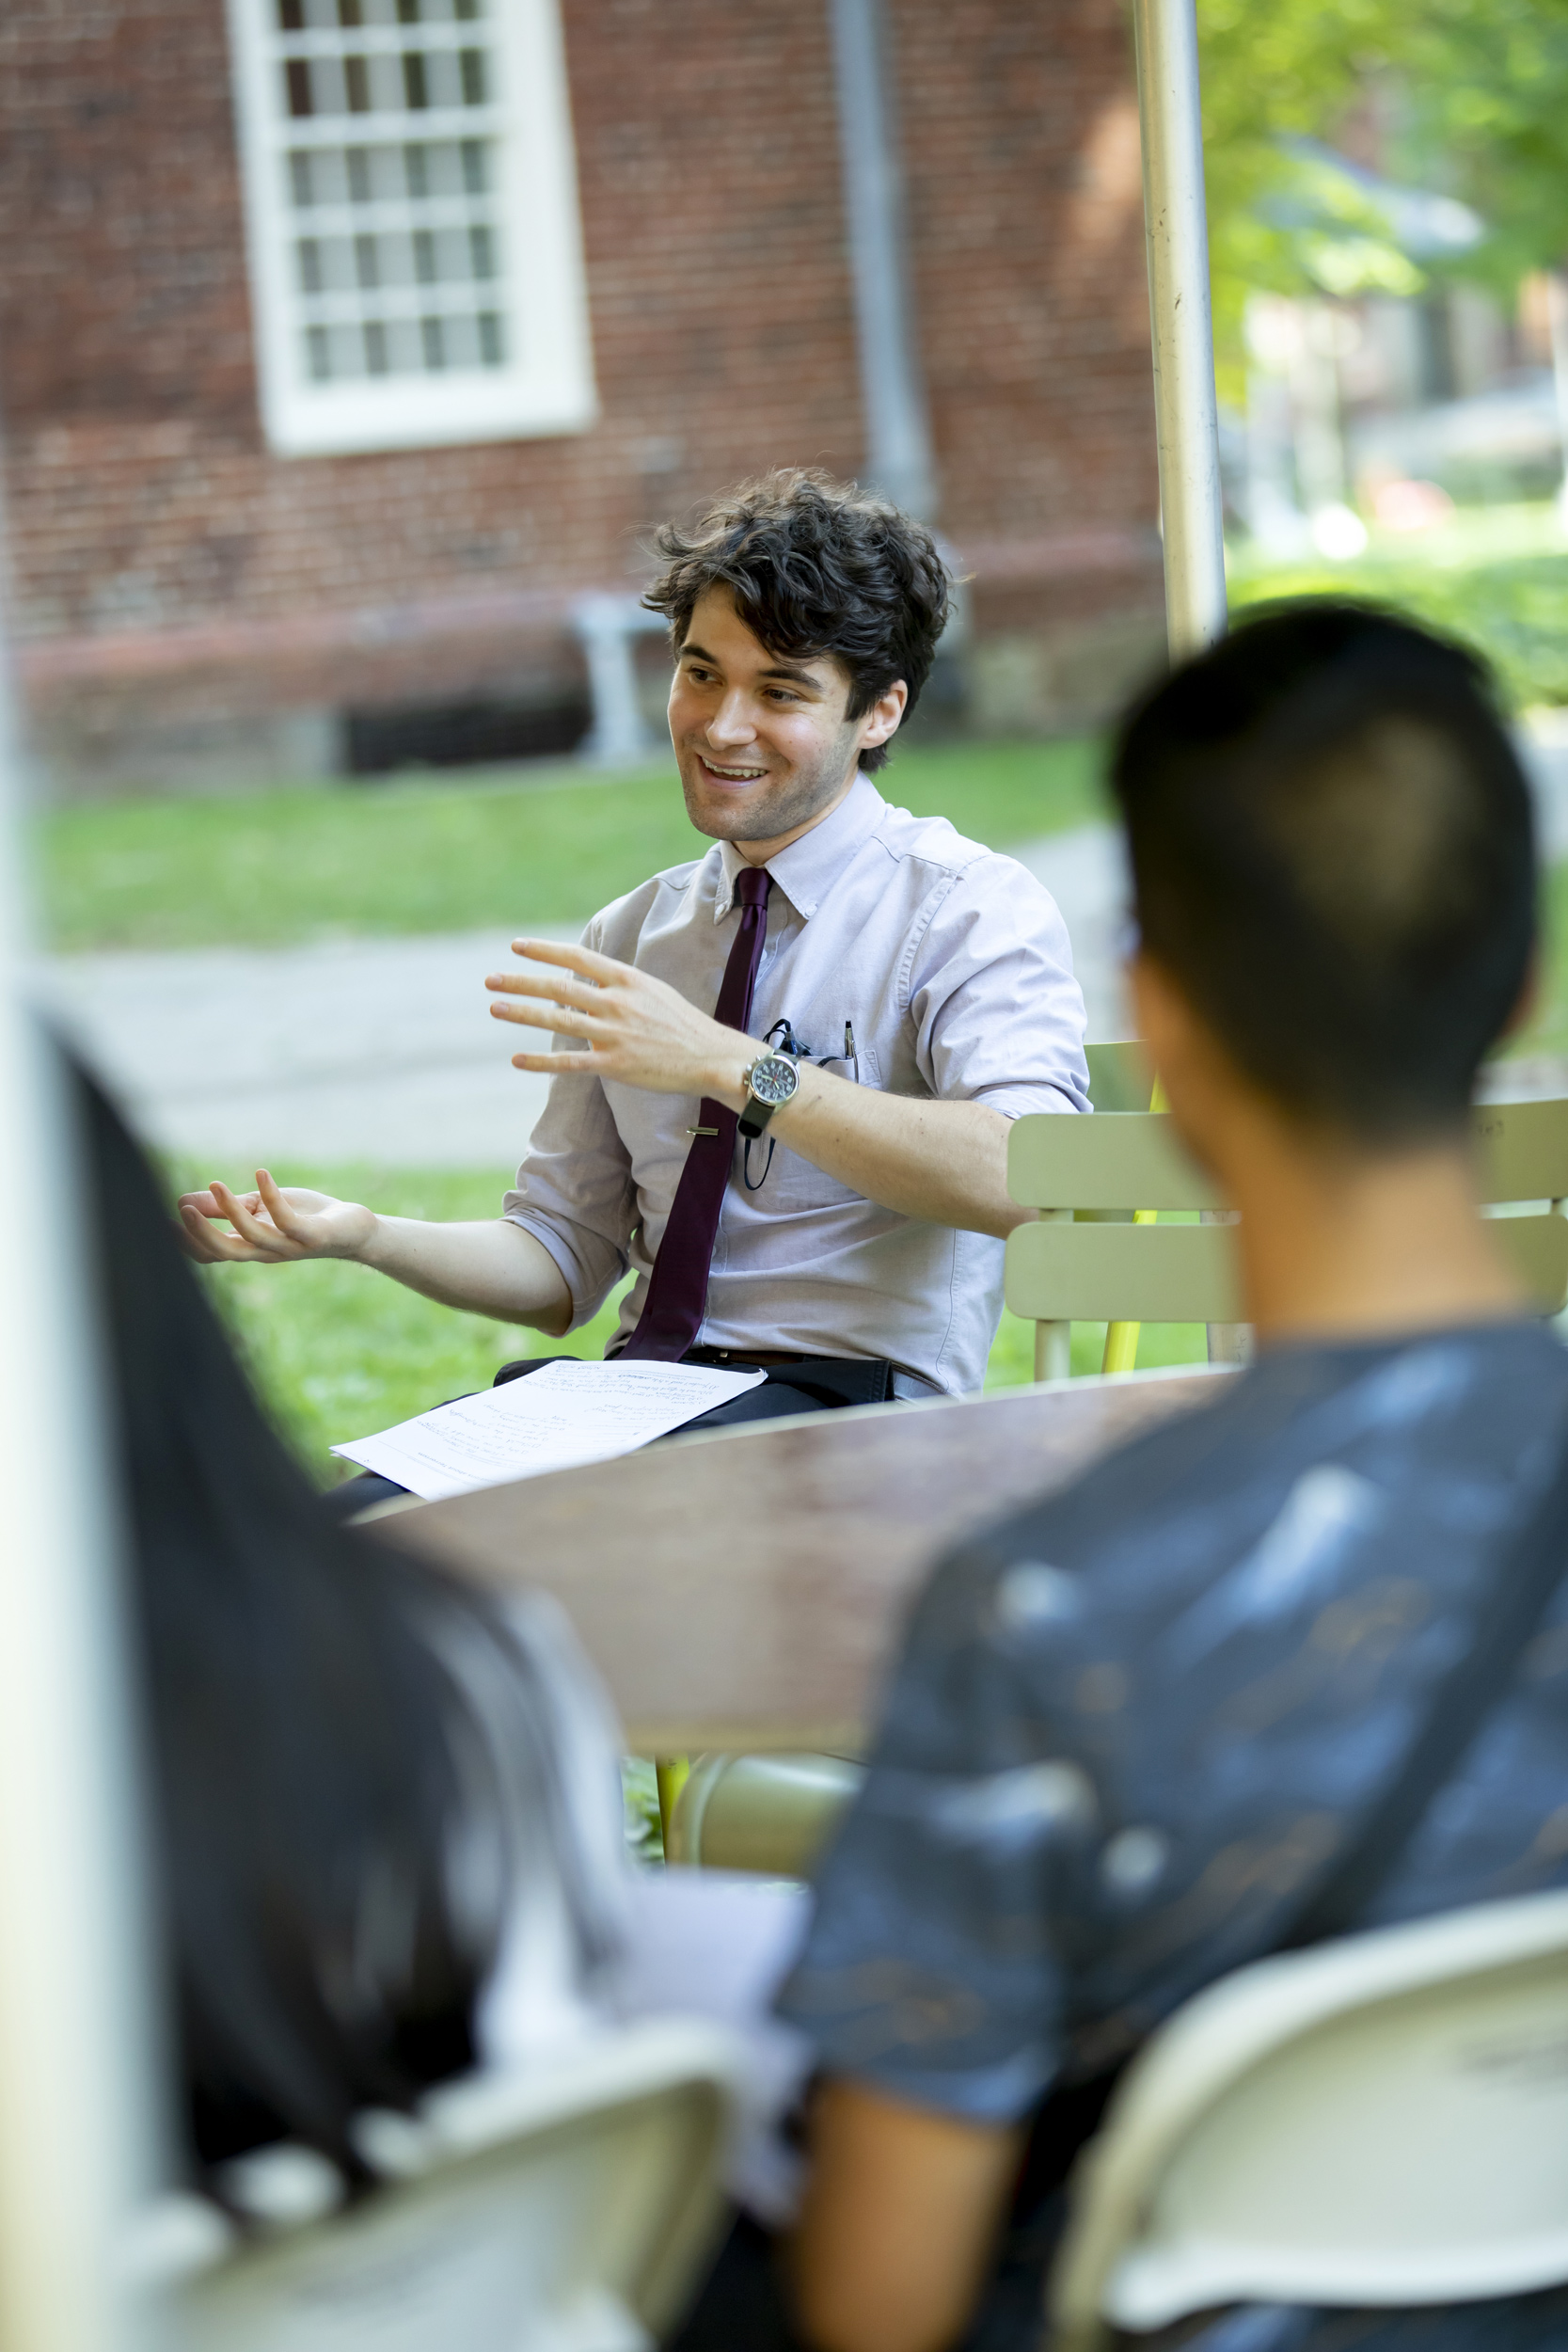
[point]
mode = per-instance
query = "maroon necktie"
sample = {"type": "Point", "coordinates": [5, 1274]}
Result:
{"type": "Point", "coordinates": [677, 1288]}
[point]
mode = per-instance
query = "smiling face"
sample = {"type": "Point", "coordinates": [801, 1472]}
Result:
{"type": "Point", "coordinates": [764, 741]}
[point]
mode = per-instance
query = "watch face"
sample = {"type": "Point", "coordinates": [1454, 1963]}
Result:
{"type": "Point", "coordinates": [773, 1079]}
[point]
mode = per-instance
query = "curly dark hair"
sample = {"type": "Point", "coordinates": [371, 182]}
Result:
{"type": "Point", "coordinates": [816, 566]}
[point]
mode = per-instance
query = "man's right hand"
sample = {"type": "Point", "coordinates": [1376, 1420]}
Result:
{"type": "Point", "coordinates": [489, 1267]}
{"type": "Point", "coordinates": [271, 1225]}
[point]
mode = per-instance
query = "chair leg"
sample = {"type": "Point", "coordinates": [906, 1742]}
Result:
{"type": "Point", "coordinates": [670, 1773]}
{"type": "Point", "coordinates": [1052, 1351]}
{"type": "Point", "coordinates": [1122, 1339]}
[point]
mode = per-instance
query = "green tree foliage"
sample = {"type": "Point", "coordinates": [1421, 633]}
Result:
{"type": "Point", "coordinates": [1473, 99]}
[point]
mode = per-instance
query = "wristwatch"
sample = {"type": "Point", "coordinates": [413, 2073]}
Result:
{"type": "Point", "coordinates": [773, 1079]}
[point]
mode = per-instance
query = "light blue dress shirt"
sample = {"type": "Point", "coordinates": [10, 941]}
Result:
{"type": "Point", "coordinates": [949, 965]}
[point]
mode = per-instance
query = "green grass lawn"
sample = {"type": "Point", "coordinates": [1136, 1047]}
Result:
{"type": "Point", "coordinates": [440, 855]}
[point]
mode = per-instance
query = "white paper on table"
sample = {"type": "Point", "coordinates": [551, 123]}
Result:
{"type": "Point", "coordinates": [556, 1418]}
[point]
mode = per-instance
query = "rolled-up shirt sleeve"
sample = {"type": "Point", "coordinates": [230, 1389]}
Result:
{"type": "Point", "coordinates": [575, 1192]}
{"type": "Point", "coordinates": [999, 1016]}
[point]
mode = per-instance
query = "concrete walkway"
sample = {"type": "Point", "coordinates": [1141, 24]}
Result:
{"type": "Point", "coordinates": [382, 1051]}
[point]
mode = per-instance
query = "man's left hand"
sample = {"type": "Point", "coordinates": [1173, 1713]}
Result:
{"type": "Point", "coordinates": [640, 1030]}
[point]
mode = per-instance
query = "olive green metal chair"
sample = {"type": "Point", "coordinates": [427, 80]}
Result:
{"type": "Point", "coordinates": [1073, 1265]}
{"type": "Point", "coordinates": [770, 1814]}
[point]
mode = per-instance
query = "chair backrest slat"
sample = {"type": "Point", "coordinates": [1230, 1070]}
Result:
{"type": "Point", "coordinates": [1121, 1078]}
{"type": "Point", "coordinates": [1523, 1150]}
{"type": "Point", "coordinates": [1111, 1160]}
{"type": "Point", "coordinates": [1139, 1273]}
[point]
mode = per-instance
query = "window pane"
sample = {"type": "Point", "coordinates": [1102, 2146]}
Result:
{"type": "Point", "coordinates": [387, 182]}
{"type": "Point", "coordinates": [405, 347]}
{"type": "Point", "coordinates": [452, 257]}
{"type": "Point", "coordinates": [460, 339]}
{"type": "Point", "coordinates": [446, 173]}
{"type": "Point", "coordinates": [433, 343]}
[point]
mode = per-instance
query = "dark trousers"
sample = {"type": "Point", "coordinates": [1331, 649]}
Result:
{"type": "Point", "coordinates": [804, 1384]}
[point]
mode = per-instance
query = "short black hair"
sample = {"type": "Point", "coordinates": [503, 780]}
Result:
{"type": "Point", "coordinates": [816, 566]}
{"type": "Point", "coordinates": [1333, 856]}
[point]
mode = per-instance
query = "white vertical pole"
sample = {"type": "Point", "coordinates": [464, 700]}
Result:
{"type": "Point", "coordinates": [76, 2140]}
{"type": "Point", "coordinates": [1176, 233]}
{"type": "Point", "coordinates": [1175, 230]}
{"type": "Point", "coordinates": [1556, 319]}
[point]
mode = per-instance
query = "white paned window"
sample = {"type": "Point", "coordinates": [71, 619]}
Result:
{"type": "Point", "coordinates": [414, 254]}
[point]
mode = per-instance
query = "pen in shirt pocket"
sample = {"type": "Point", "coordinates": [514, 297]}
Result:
{"type": "Point", "coordinates": [850, 1056]}
{"type": "Point", "coordinates": [783, 1033]}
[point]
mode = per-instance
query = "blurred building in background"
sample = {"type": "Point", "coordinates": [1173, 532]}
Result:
{"type": "Point", "coordinates": [346, 346]}
{"type": "Point", "coordinates": [1392, 392]}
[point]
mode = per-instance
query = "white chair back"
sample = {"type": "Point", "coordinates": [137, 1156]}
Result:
{"type": "Point", "coordinates": [1381, 2121]}
{"type": "Point", "coordinates": [564, 2208]}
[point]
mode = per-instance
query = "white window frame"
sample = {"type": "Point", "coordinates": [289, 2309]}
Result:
{"type": "Point", "coordinates": [545, 385]}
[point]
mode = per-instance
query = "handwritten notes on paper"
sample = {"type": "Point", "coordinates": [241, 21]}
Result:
{"type": "Point", "coordinates": [557, 1418]}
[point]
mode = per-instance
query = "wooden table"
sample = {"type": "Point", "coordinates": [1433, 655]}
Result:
{"type": "Point", "coordinates": [743, 1590]}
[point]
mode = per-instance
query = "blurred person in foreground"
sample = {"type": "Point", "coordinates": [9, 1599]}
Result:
{"type": "Point", "coordinates": [387, 1823]}
{"type": "Point", "coordinates": [871, 996]}
{"type": "Point", "coordinates": [1134, 1726]}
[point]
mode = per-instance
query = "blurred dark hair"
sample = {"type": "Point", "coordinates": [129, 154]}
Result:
{"type": "Point", "coordinates": [331, 1812]}
{"type": "Point", "coordinates": [816, 566]}
{"type": "Point", "coordinates": [1333, 856]}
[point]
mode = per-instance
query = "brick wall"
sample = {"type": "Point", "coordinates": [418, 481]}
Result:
{"type": "Point", "coordinates": [173, 581]}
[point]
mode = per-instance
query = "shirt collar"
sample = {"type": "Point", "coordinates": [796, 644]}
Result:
{"type": "Point", "coordinates": [807, 870]}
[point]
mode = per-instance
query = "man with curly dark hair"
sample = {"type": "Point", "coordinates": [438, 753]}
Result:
{"type": "Point", "coordinates": [783, 1073]}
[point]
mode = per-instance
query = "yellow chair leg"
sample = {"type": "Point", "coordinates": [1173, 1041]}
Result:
{"type": "Point", "coordinates": [1122, 1339]}
{"type": "Point", "coordinates": [670, 1773]}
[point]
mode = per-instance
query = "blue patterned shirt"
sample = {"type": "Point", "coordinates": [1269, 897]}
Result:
{"type": "Point", "coordinates": [1131, 1724]}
